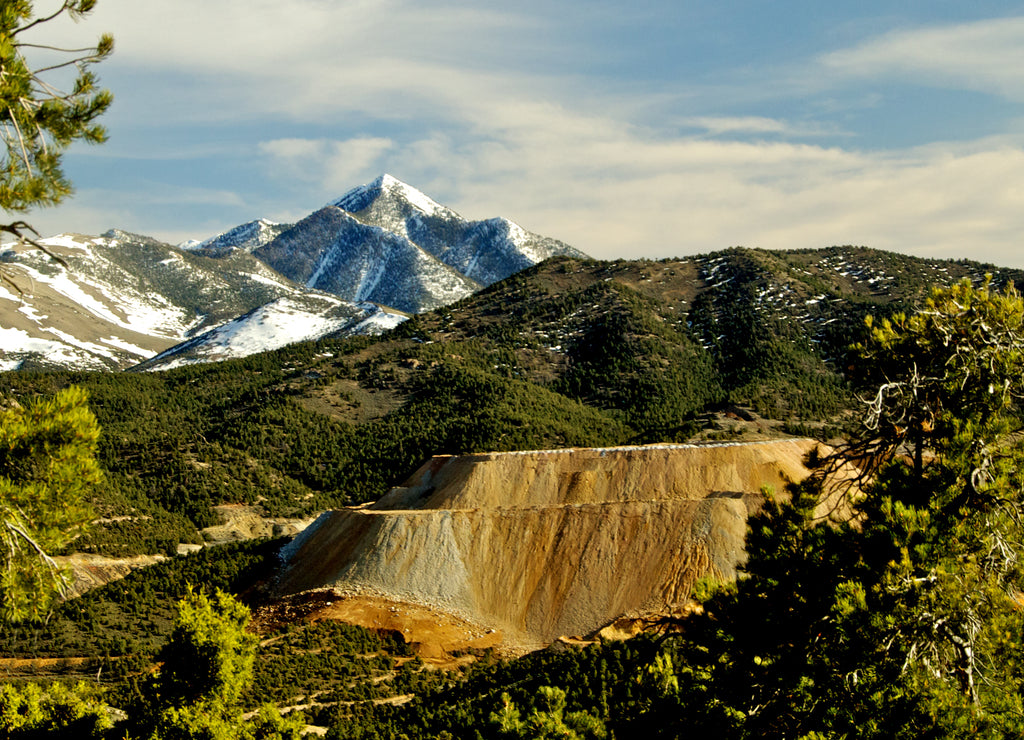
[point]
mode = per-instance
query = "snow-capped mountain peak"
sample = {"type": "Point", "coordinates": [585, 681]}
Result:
{"type": "Point", "coordinates": [395, 195]}
{"type": "Point", "coordinates": [124, 297]}
{"type": "Point", "coordinates": [387, 242]}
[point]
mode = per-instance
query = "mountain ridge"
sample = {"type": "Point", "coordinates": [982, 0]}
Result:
{"type": "Point", "coordinates": [260, 271]}
{"type": "Point", "coordinates": [388, 226]}
{"type": "Point", "coordinates": [733, 345]}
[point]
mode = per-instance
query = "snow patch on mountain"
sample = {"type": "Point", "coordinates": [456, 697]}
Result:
{"type": "Point", "coordinates": [247, 237]}
{"type": "Point", "coordinates": [371, 277]}
{"type": "Point", "coordinates": [71, 241]}
{"type": "Point", "coordinates": [121, 306]}
{"type": "Point", "coordinates": [520, 238]}
{"type": "Point", "coordinates": [17, 341]}
{"type": "Point", "coordinates": [325, 263]}
{"type": "Point", "coordinates": [127, 346]}
{"type": "Point", "coordinates": [64, 350]}
{"type": "Point", "coordinates": [267, 280]}
{"type": "Point", "coordinates": [377, 322]}
{"type": "Point", "coordinates": [276, 324]}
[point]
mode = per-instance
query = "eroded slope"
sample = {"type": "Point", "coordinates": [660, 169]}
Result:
{"type": "Point", "coordinates": [543, 544]}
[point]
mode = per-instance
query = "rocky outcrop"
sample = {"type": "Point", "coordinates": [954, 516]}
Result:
{"type": "Point", "coordinates": [548, 543]}
{"type": "Point", "coordinates": [244, 522]}
{"type": "Point", "coordinates": [87, 571]}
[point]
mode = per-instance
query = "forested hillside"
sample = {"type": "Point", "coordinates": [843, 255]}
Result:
{"type": "Point", "coordinates": [569, 353]}
{"type": "Point", "coordinates": [577, 353]}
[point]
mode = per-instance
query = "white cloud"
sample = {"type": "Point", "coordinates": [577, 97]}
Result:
{"type": "Point", "coordinates": [271, 41]}
{"type": "Point", "coordinates": [189, 61]}
{"type": "Point", "coordinates": [985, 56]}
{"type": "Point", "coordinates": [725, 125]}
{"type": "Point", "coordinates": [614, 190]}
{"type": "Point", "coordinates": [258, 34]}
{"type": "Point", "coordinates": [567, 157]}
{"type": "Point", "coordinates": [295, 153]}
{"type": "Point", "coordinates": [332, 165]}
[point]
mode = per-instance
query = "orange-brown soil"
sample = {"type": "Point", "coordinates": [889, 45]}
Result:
{"type": "Point", "coordinates": [537, 545]}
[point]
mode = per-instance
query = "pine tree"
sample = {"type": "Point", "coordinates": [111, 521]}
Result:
{"type": "Point", "coordinates": [48, 473]}
{"type": "Point", "coordinates": [32, 711]}
{"type": "Point", "coordinates": [40, 117]}
{"type": "Point", "coordinates": [209, 655]}
{"type": "Point", "coordinates": [904, 621]}
{"type": "Point", "coordinates": [207, 663]}
{"type": "Point", "coordinates": [548, 721]}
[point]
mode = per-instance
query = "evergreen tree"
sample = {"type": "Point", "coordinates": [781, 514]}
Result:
{"type": "Point", "coordinates": [548, 721]}
{"type": "Point", "coordinates": [56, 711]}
{"type": "Point", "coordinates": [39, 118]}
{"type": "Point", "coordinates": [905, 620]}
{"type": "Point", "coordinates": [206, 665]}
{"type": "Point", "coordinates": [48, 473]}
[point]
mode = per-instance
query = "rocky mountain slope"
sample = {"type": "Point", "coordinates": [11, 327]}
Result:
{"type": "Point", "coordinates": [386, 242]}
{"type": "Point", "coordinates": [483, 251]}
{"type": "Point", "coordinates": [330, 250]}
{"type": "Point", "coordinates": [245, 237]}
{"type": "Point", "coordinates": [541, 544]}
{"type": "Point", "coordinates": [121, 299]}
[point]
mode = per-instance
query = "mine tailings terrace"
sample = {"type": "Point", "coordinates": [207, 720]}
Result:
{"type": "Point", "coordinates": [520, 548]}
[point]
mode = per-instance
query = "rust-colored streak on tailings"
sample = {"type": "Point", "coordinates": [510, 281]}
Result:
{"type": "Point", "coordinates": [548, 543]}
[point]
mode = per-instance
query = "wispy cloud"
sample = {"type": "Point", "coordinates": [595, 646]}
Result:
{"type": "Point", "coordinates": [986, 56]}
{"type": "Point", "coordinates": [331, 165]}
{"type": "Point", "coordinates": [470, 103]}
{"type": "Point", "coordinates": [720, 125]}
{"type": "Point", "coordinates": [308, 56]}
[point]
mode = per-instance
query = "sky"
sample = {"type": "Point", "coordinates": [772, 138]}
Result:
{"type": "Point", "coordinates": [655, 128]}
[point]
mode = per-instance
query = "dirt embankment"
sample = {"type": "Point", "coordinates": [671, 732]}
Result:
{"type": "Point", "coordinates": [91, 571]}
{"type": "Point", "coordinates": [237, 522]}
{"type": "Point", "coordinates": [536, 545]}
{"type": "Point", "coordinates": [245, 522]}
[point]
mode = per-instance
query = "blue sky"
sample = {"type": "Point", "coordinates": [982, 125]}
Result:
{"type": "Point", "coordinates": [657, 129]}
